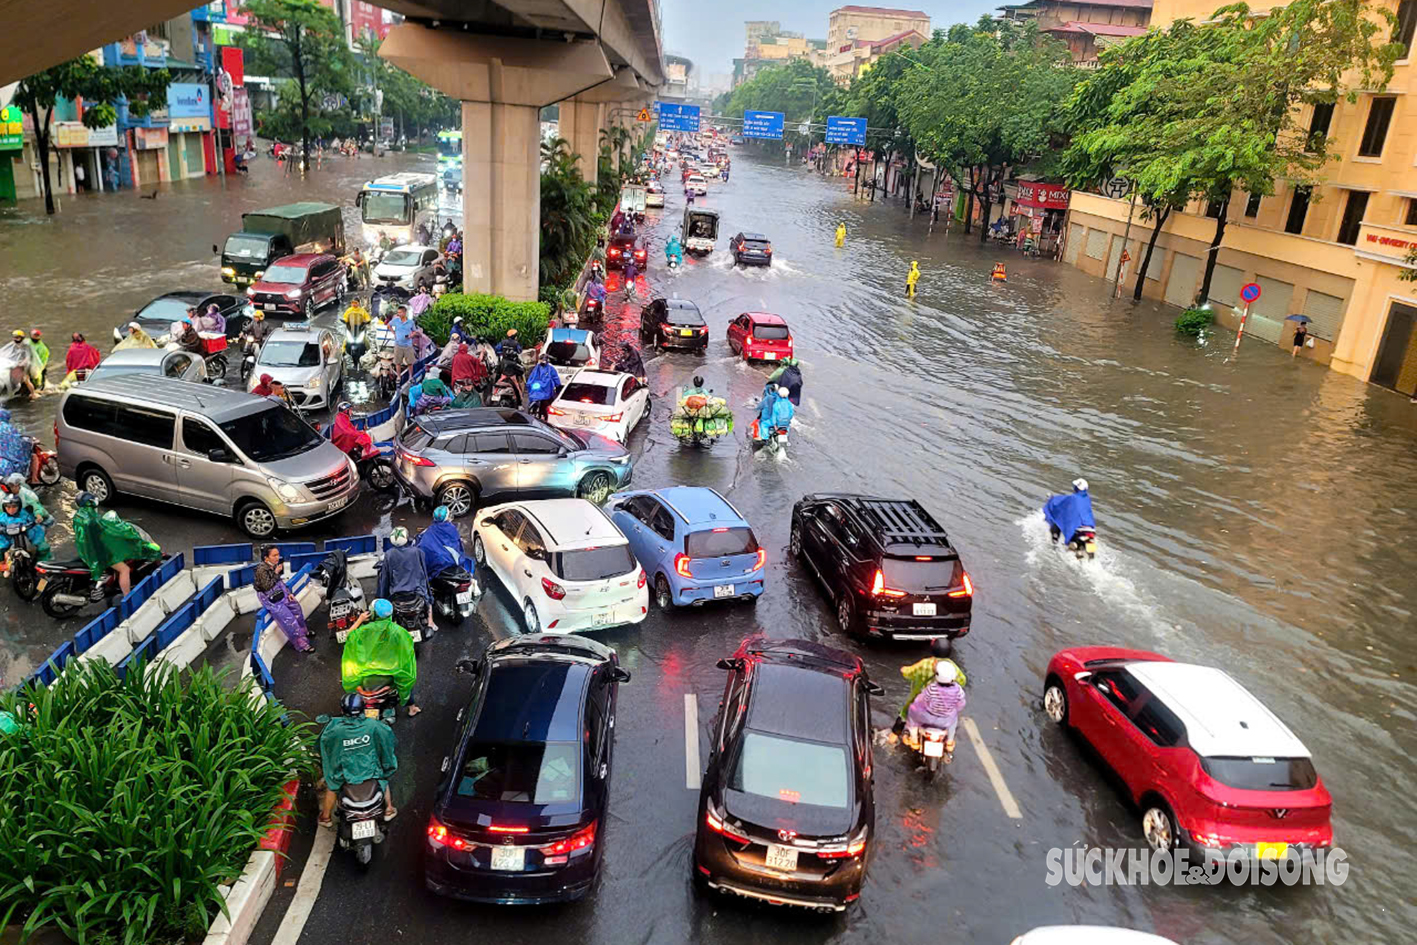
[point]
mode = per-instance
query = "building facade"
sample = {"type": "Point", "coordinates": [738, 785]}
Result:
{"type": "Point", "coordinates": [1336, 253]}
{"type": "Point", "coordinates": [860, 55]}
{"type": "Point", "coordinates": [848, 24]}
{"type": "Point", "coordinates": [1086, 27]}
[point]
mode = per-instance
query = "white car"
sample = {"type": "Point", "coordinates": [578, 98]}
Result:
{"type": "Point", "coordinates": [1088, 935]}
{"type": "Point", "coordinates": [654, 195]}
{"type": "Point", "coordinates": [697, 184]}
{"type": "Point", "coordinates": [406, 266]}
{"type": "Point", "coordinates": [711, 170]}
{"type": "Point", "coordinates": [565, 562]}
{"type": "Point", "coordinates": [605, 402]}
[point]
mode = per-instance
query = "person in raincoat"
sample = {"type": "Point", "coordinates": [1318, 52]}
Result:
{"type": "Point", "coordinates": [17, 453]}
{"type": "Point", "coordinates": [1065, 514]}
{"type": "Point", "coordinates": [782, 413]}
{"type": "Point", "coordinates": [468, 370]}
{"type": "Point", "coordinates": [939, 704]}
{"type": "Point", "coordinates": [211, 321]}
{"type": "Point", "coordinates": [762, 426]}
{"type": "Point", "coordinates": [17, 356]}
{"type": "Point", "coordinates": [105, 541]}
{"type": "Point", "coordinates": [348, 437]}
{"type": "Point", "coordinates": [789, 375]}
{"type": "Point", "coordinates": [378, 650]}
{"type": "Point", "coordinates": [421, 302]}
{"type": "Point", "coordinates": [263, 386]}
{"type": "Point", "coordinates": [39, 358]}
{"type": "Point", "coordinates": [434, 395]}
{"type": "Point", "coordinates": [13, 514]}
{"type": "Point", "coordinates": [14, 484]}
{"type": "Point", "coordinates": [541, 386]}
{"type": "Point", "coordinates": [460, 332]}
{"type": "Point", "coordinates": [275, 595]}
{"type": "Point", "coordinates": [441, 547]}
{"type": "Point", "coordinates": [353, 749]}
{"type": "Point", "coordinates": [136, 338]}
{"type": "Point", "coordinates": [912, 277]}
{"type": "Point", "coordinates": [403, 572]}
{"type": "Point", "coordinates": [841, 234]}
{"type": "Point", "coordinates": [673, 251]}
{"type": "Point", "coordinates": [920, 673]}
{"type": "Point", "coordinates": [81, 357]}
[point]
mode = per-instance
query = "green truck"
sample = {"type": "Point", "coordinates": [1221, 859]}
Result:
{"type": "Point", "coordinates": [267, 235]}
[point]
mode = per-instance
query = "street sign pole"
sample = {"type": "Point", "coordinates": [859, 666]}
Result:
{"type": "Point", "coordinates": [1241, 333]}
{"type": "Point", "coordinates": [1250, 293]}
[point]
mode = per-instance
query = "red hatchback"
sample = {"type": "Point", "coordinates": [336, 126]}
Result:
{"type": "Point", "coordinates": [298, 284]}
{"type": "Point", "coordinates": [1205, 762]}
{"type": "Point", "coordinates": [760, 336]}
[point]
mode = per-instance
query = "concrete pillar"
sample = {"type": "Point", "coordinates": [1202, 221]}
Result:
{"type": "Point", "coordinates": [580, 125]}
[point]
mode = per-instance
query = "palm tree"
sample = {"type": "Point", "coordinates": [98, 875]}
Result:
{"type": "Point", "coordinates": [567, 208]}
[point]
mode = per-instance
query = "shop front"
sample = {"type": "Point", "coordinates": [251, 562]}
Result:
{"type": "Point", "coordinates": [81, 153]}
{"type": "Point", "coordinates": [148, 154]}
{"type": "Point", "coordinates": [1038, 210]}
{"type": "Point", "coordinates": [189, 121]}
{"type": "Point", "coordinates": [12, 148]}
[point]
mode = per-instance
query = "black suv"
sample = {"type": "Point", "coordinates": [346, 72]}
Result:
{"type": "Point", "coordinates": [751, 248]}
{"type": "Point", "coordinates": [674, 323]}
{"type": "Point", "coordinates": [520, 815]}
{"type": "Point", "coordinates": [786, 811]}
{"type": "Point", "coordinates": [886, 564]}
{"type": "Point", "coordinates": [622, 248]}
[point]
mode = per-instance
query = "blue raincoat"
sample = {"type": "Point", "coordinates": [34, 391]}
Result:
{"type": "Point", "coordinates": [673, 250]}
{"type": "Point", "coordinates": [766, 405]}
{"type": "Point", "coordinates": [32, 529]}
{"type": "Point", "coordinates": [782, 413]}
{"type": "Point", "coordinates": [441, 545]}
{"type": "Point", "coordinates": [15, 448]}
{"type": "Point", "coordinates": [403, 572]}
{"type": "Point", "coordinates": [1068, 513]}
{"type": "Point", "coordinates": [541, 383]}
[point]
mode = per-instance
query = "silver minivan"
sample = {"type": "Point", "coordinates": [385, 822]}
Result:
{"type": "Point", "coordinates": [207, 448]}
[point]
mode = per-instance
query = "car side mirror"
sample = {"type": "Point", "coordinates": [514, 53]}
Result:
{"type": "Point", "coordinates": [875, 689]}
{"type": "Point", "coordinates": [485, 523]}
{"type": "Point", "coordinates": [219, 455]}
{"type": "Point", "coordinates": [563, 453]}
{"type": "Point", "coordinates": [466, 668]}
{"type": "Point", "coordinates": [728, 664]}
{"type": "Point", "coordinates": [620, 675]}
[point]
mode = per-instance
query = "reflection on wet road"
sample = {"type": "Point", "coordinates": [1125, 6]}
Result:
{"type": "Point", "coordinates": [1252, 515]}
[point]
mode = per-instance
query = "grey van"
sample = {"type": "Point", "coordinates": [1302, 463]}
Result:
{"type": "Point", "coordinates": [205, 448]}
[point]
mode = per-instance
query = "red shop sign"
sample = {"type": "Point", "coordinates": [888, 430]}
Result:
{"type": "Point", "coordinates": [1046, 196]}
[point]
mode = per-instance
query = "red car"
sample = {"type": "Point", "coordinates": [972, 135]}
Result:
{"type": "Point", "coordinates": [299, 284]}
{"type": "Point", "coordinates": [760, 336]}
{"type": "Point", "coordinates": [1205, 762]}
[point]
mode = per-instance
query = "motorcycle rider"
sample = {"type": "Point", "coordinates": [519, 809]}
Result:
{"type": "Point", "coordinates": [920, 673]}
{"type": "Point", "coordinates": [379, 648]}
{"type": "Point", "coordinates": [14, 484]}
{"type": "Point", "coordinates": [17, 452]}
{"type": "Point", "coordinates": [13, 512]}
{"type": "Point", "coordinates": [345, 435]}
{"type": "Point", "coordinates": [441, 547]}
{"type": "Point", "coordinates": [212, 321]}
{"type": "Point", "coordinates": [789, 375]}
{"type": "Point", "coordinates": [189, 340]}
{"type": "Point", "coordinates": [673, 251]}
{"type": "Point", "coordinates": [541, 386]}
{"type": "Point", "coordinates": [106, 541]}
{"type": "Point", "coordinates": [1066, 514]}
{"type": "Point", "coordinates": [509, 368]}
{"type": "Point", "coordinates": [697, 389]}
{"type": "Point", "coordinates": [354, 749]}
{"type": "Point", "coordinates": [403, 572]}
{"type": "Point", "coordinates": [938, 705]}
{"type": "Point", "coordinates": [775, 412]}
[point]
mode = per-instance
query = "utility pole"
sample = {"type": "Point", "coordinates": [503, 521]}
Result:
{"type": "Point", "coordinates": [1126, 235]}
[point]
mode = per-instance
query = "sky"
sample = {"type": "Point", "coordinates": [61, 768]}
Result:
{"type": "Point", "coordinates": [711, 33]}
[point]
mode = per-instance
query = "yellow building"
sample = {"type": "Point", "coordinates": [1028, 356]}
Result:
{"type": "Point", "coordinates": [1333, 254]}
{"type": "Point", "coordinates": [848, 24]}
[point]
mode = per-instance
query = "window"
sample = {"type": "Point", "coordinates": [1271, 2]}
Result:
{"type": "Point", "coordinates": [1318, 125]}
{"type": "Point", "coordinates": [177, 365]}
{"type": "Point", "coordinates": [1119, 688]}
{"type": "Point", "coordinates": [1411, 212]}
{"type": "Point", "coordinates": [787, 769]}
{"type": "Point", "coordinates": [1298, 210]}
{"type": "Point", "coordinates": [1214, 208]}
{"type": "Point", "coordinates": [593, 564]}
{"type": "Point", "coordinates": [663, 523]}
{"type": "Point", "coordinates": [595, 714]}
{"type": "Point", "coordinates": [96, 416]}
{"type": "Point", "coordinates": [521, 772]}
{"type": "Point", "coordinates": [289, 275]}
{"type": "Point", "coordinates": [273, 433]}
{"type": "Point", "coordinates": [1262, 774]}
{"type": "Point", "coordinates": [200, 438]}
{"type": "Point", "coordinates": [532, 443]}
{"type": "Point", "coordinates": [415, 437]}
{"type": "Point", "coordinates": [1406, 25]}
{"type": "Point", "coordinates": [1375, 133]}
{"type": "Point", "coordinates": [456, 444]}
{"type": "Point", "coordinates": [920, 577]}
{"type": "Point", "coordinates": [147, 426]}
{"type": "Point", "coordinates": [1158, 723]}
{"type": "Point", "coordinates": [718, 542]}
{"type": "Point", "coordinates": [509, 522]}
{"type": "Point", "coordinates": [627, 388]}
{"type": "Point", "coordinates": [1353, 217]}
{"type": "Point", "coordinates": [430, 257]}
{"type": "Point", "coordinates": [529, 541]}
{"type": "Point", "coordinates": [771, 332]}
{"type": "Point", "coordinates": [583, 393]}
{"type": "Point", "coordinates": [289, 354]}
{"type": "Point", "coordinates": [1252, 206]}
{"type": "Point", "coordinates": [489, 443]}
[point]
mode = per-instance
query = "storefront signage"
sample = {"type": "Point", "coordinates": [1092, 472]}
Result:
{"type": "Point", "coordinates": [241, 113]}
{"type": "Point", "coordinates": [1046, 196]}
{"type": "Point", "coordinates": [12, 129]}
{"type": "Point", "coordinates": [1390, 241]}
{"type": "Point", "coordinates": [233, 63]}
{"type": "Point", "coordinates": [105, 137]}
{"type": "Point", "coordinates": [150, 139]}
{"type": "Point", "coordinates": [188, 100]}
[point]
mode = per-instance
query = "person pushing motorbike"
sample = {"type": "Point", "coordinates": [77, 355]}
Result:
{"type": "Point", "coordinates": [106, 541]}
{"type": "Point", "coordinates": [355, 748]}
{"type": "Point", "coordinates": [377, 652]}
{"type": "Point", "coordinates": [403, 572]}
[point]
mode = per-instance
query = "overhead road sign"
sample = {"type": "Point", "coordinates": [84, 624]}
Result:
{"type": "Point", "coordinates": [673, 117]}
{"type": "Point", "coordinates": [846, 130]}
{"type": "Point", "coordinates": [762, 124]}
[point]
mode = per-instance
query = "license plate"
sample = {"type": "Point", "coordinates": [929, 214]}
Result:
{"type": "Point", "coordinates": [508, 858]}
{"type": "Point", "coordinates": [1275, 851]}
{"type": "Point", "coordinates": [269, 306]}
{"type": "Point", "coordinates": [923, 610]}
{"type": "Point", "coordinates": [417, 635]}
{"type": "Point", "coordinates": [41, 585]}
{"type": "Point", "coordinates": [464, 597]}
{"type": "Point", "coordinates": [686, 332]}
{"type": "Point", "coordinates": [723, 590]}
{"type": "Point", "coordinates": [584, 419]}
{"type": "Point", "coordinates": [1092, 547]}
{"type": "Point", "coordinates": [362, 829]}
{"type": "Point", "coordinates": [338, 504]}
{"type": "Point", "coordinates": [371, 713]}
{"type": "Point", "coordinates": [769, 355]}
{"type": "Point", "coordinates": [781, 858]}
{"type": "Point", "coordinates": [934, 749]}
{"type": "Point", "coordinates": [601, 620]}
{"type": "Point", "coordinates": [341, 636]}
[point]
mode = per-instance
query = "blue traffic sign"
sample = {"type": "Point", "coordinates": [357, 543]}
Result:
{"type": "Point", "coordinates": [1250, 291]}
{"type": "Point", "coordinates": [762, 124]}
{"type": "Point", "coordinates": [674, 117]}
{"type": "Point", "coordinates": [846, 130]}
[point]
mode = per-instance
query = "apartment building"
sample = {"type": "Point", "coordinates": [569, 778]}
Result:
{"type": "Point", "coordinates": [1087, 27]}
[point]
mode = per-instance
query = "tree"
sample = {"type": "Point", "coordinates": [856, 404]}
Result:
{"type": "Point", "coordinates": [797, 89]}
{"type": "Point", "coordinates": [309, 39]}
{"type": "Point", "coordinates": [873, 97]}
{"type": "Point", "coordinates": [99, 87]}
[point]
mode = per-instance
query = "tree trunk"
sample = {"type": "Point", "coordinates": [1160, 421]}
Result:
{"type": "Point", "coordinates": [969, 202]}
{"type": "Point", "coordinates": [41, 143]}
{"type": "Point", "coordinates": [1145, 263]}
{"type": "Point", "coordinates": [1214, 252]}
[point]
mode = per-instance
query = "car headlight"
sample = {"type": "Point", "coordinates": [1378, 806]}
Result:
{"type": "Point", "coordinates": [284, 489]}
{"type": "Point", "coordinates": [313, 384]}
{"type": "Point", "coordinates": [293, 294]}
{"type": "Point", "coordinates": [228, 271]}
{"type": "Point", "coordinates": [620, 460]}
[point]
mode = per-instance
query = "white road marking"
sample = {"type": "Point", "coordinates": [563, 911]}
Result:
{"type": "Point", "coordinates": [311, 878]}
{"type": "Point", "coordinates": [691, 741]}
{"type": "Point", "coordinates": [990, 768]}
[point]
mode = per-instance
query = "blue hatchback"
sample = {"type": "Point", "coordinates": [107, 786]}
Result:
{"type": "Point", "coordinates": [693, 544]}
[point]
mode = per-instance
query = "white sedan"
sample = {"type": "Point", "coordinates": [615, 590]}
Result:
{"type": "Point", "coordinates": [406, 267]}
{"type": "Point", "coordinates": [654, 195]}
{"type": "Point", "coordinates": [606, 402]}
{"type": "Point", "coordinates": [565, 562]}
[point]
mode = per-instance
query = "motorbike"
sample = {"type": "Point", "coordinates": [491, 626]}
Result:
{"type": "Point", "coordinates": [411, 613]}
{"type": "Point", "coordinates": [359, 815]}
{"type": "Point", "coordinates": [66, 587]}
{"type": "Point", "coordinates": [454, 591]}
{"type": "Point", "coordinates": [504, 393]}
{"type": "Point", "coordinates": [19, 563]}
{"type": "Point", "coordinates": [1083, 543]}
{"type": "Point", "coordinates": [700, 420]}
{"type": "Point", "coordinates": [386, 376]}
{"type": "Point", "coordinates": [248, 356]}
{"type": "Point", "coordinates": [774, 442]}
{"type": "Point", "coordinates": [48, 465]}
{"type": "Point", "coordinates": [344, 597]}
{"type": "Point", "coordinates": [929, 744]}
{"type": "Point", "coordinates": [375, 468]}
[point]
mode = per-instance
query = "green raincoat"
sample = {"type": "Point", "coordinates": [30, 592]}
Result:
{"type": "Point", "coordinates": [379, 648]}
{"type": "Point", "coordinates": [105, 540]}
{"type": "Point", "coordinates": [357, 750]}
{"type": "Point", "coordinates": [920, 674]}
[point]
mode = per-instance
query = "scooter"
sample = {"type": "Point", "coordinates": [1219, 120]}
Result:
{"type": "Point", "coordinates": [248, 356]}
{"type": "Point", "coordinates": [929, 744]}
{"type": "Point", "coordinates": [386, 376]}
{"type": "Point", "coordinates": [19, 563]}
{"type": "Point", "coordinates": [344, 597]}
{"type": "Point", "coordinates": [775, 442]}
{"type": "Point", "coordinates": [504, 394]}
{"type": "Point", "coordinates": [359, 815]}
{"type": "Point", "coordinates": [411, 613]}
{"type": "Point", "coordinates": [65, 587]}
{"type": "Point", "coordinates": [1084, 542]}
{"type": "Point", "coordinates": [454, 591]}
{"type": "Point", "coordinates": [48, 465]}
{"type": "Point", "coordinates": [376, 469]}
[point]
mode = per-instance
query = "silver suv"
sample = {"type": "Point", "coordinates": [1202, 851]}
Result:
{"type": "Point", "coordinates": [461, 458]}
{"type": "Point", "coordinates": [201, 447]}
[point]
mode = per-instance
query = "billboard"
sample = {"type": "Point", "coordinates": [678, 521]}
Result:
{"type": "Point", "coordinates": [762, 124]}
{"type": "Point", "coordinates": [188, 100]}
{"type": "Point", "coordinates": [846, 130]}
{"type": "Point", "coordinates": [678, 117]}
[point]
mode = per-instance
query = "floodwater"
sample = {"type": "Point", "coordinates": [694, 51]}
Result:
{"type": "Point", "coordinates": [1251, 512]}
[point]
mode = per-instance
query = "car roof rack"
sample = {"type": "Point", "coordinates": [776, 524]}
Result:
{"type": "Point", "coordinates": [901, 522]}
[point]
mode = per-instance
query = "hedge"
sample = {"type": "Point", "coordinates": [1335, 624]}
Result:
{"type": "Point", "coordinates": [489, 316]}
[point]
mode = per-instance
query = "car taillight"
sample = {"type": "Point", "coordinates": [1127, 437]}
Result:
{"type": "Point", "coordinates": [443, 837]}
{"type": "Point", "coordinates": [681, 565]}
{"type": "Point", "coordinates": [768, 249]}
{"type": "Point", "coordinates": [613, 418]}
{"type": "Point", "coordinates": [642, 579]}
{"type": "Point", "coordinates": [879, 589]}
{"type": "Point", "coordinates": [582, 839]}
{"type": "Point", "coordinates": [614, 251]}
{"type": "Point", "coordinates": [843, 850]}
{"type": "Point", "coordinates": [555, 412]}
{"type": "Point", "coordinates": [762, 560]}
{"type": "Point", "coordinates": [742, 246]}
{"type": "Point", "coordinates": [967, 590]}
{"type": "Point", "coordinates": [553, 591]}
{"type": "Point", "coordinates": [719, 825]}
{"type": "Point", "coordinates": [414, 458]}
{"type": "Point", "coordinates": [496, 829]}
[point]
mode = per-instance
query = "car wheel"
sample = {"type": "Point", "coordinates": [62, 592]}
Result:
{"type": "Point", "coordinates": [256, 520]}
{"type": "Point", "coordinates": [309, 307]}
{"type": "Point", "coordinates": [846, 614]}
{"type": "Point", "coordinates": [459, 497]}
{"type": "Point", "coordinates": [663, 596]}
{"type": "Point", "coordinates": [794, 541]}
{"type": "Point", "coordinates": [1055, 701]}
{"type": "Point", "coordinates": [96, 482]}
{"type": "Point", "coordinates": [596, 487]}
{"type": "Point", "coordinates": [479, 551]}
{"type": "Point", "coordinates": [1158, 826]}
{"type": "Point", "coordinates": [533, 622]}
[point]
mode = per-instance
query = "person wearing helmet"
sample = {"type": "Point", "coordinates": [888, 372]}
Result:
{"type": "Point", "coordinates": [542, 385]}
{"type": "Point", "coordinates": [16, 355]}
{"type": "Point", "coordinates": [39, 358]}
{"type": "Point", "coordinates": [938, 705]}
{"type": "Point", "coordinates": [353, 749]}
{"type": "Point", "coordinates": [14, 484]}
{"type": "Point", "coordinates": [1066, 515]}
{"type": "Point", "coordinates": [106, 542]}
{"type": "Point", "coordinates": [276, 597]}
{"type": "Point", "coordinates": [441, 547]}
{"type": "Point", "coordinates": [697, 389]}
{"type": "Point", "coordinates": [377, 652]}
{"type": "Point", "coordinates": [920, 673]}
{"type": "Point", "coordinates": [352, 441]}
{"type": "Point", "coordinates": [403, 572]}
{"type": "Point", "coordinates": [16, 520]}
{"type": "Point", "coordinates": [789, 375]}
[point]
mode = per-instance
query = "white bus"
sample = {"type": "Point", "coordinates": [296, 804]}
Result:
{"type": "Point", "coordinates": [397, 206]}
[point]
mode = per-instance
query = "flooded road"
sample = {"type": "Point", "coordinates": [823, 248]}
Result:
{"type": "Point", "coordinates": [1253, 514]}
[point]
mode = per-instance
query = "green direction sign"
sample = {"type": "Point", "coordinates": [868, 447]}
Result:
{"type": "Point", "coordinates": [12, 129]}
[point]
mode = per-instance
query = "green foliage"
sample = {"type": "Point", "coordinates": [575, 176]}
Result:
{"type": "Point", "coordinates": [305, 40]}
{"type": "Point", "coordinates": [488, 316]}
{"type": "Point", "coordinates": [126, 803]}
{"type": "Point", "coordinates": [1410, 273]}
{"type": "Point", "coordinates": [1193, 321]}
{"type": "Point", "coordinates": [568, 214]}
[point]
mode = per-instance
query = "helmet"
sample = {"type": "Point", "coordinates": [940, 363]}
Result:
{"type": "Point", "coordinates": [1079, 485]}
{"type": "Point", "coordinates": [783, 392]}
{"type": "Point", "coordinates": [345, 406]}
{"type": "Point", "coordinates": [698, 380]}
{"type": "Point", "coordinates": [946, 672]}
{"type": "Point", "coordinates": [259, 315]}
{"type": "Point", "coordinates": [940, 647]}
{"type": "Point", "coordinates": [441, 514]}
{"type": "Point", "coordinates": [10, 499]}
{"type": "Point", "coordinates": [14, 482]}
{"type": "Point", "coordinates": [399, 536]}
{"type": "Point", "coordinates": [381, 608]}
{"type": "Point", "coordinates": [87, 500]}
{"type": "Point", "coordinates": [352, 704]}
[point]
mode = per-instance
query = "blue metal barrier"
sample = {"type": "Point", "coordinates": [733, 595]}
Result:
{"type": "Point", "coordinates": [358, 545]}
{"type": "Point", "coordinates": [241, 577]}
{"type": "Point", "coordinates": [143, 651]}
{"type": "Point", "coordinates": [221, 554]}
{"type": "Point", "coordinates": [208, 595]}
{"type": "Point", "coordinates": [288, 548]}
{"type": "Point", "coordinates": [179, 620]}
{"type": "Point", "coordinates": [54, 665]}
{"type": "Point", "coordinates": [95, 630]}
{"type": "Point", "coordinates": [259, 668]}
{"type": "Point", "coordinates": [299, 561]}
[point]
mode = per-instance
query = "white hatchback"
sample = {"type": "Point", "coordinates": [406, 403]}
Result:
{"type": "Point", "coordinates": [566, 563]}
{"type": "Point", "coordinates": [606, 402]}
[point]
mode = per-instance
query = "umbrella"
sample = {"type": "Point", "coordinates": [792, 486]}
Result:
{"type": "Point", "coordinates": [1301, 319]}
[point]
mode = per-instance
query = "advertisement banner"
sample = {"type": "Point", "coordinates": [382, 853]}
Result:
{"type": "Point", "coordinates": [234, 13]}
{"type": "Point", "coordinates": [188, 100]}
{"type": "Point", "coordinates": [69, 134]}
{"type": "Point", "coordinates": [233, 63]}
{"type": "Point", "coordinates": [105, 137]}
{"type": "Point", "coordinates": [1045, 196]}
{"type": "Point", "coordinates": [150, 139]}
{"type": "Point", "coordinates": [12, 129]}
{"type": "Point", "coordinates": [241, 122]}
